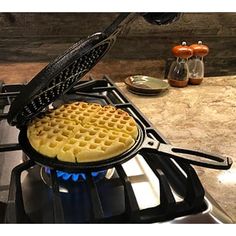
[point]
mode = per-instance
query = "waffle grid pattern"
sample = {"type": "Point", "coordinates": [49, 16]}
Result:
{"type": "Point", "coordinates": [83, 132]}
{"type": "Point", "coordinates": [64, 81]}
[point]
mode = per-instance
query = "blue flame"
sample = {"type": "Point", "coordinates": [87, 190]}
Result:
{"type": "Point", "coordinates": [74, 176]}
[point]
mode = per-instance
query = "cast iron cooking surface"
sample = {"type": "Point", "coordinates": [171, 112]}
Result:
{"type": "Point", "coordinates": [57, 78]}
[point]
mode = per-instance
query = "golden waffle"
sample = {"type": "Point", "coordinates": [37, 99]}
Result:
{"type": "Point", "coordinates": [111, 118]}
{"type": "Point", "coordinates": [77, 111]}
{"type": "Point", "coordinates": [48, 136]}
{"type": "Point", "coordinates": [83, 132]}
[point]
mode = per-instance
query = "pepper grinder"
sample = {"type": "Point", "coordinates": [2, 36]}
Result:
{"type": "Point", "coordinates": [179, 73]}
{"type": "Point", "coordinates": [196, 64]}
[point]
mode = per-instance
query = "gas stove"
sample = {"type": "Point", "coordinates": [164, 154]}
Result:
{"type": "Point", "coordinates": [146, 189]}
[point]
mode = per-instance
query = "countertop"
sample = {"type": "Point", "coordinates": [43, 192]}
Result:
{"type": "Point", "coordinates": [200, 117]}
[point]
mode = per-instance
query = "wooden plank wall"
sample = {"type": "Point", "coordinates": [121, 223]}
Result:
{"type": "Point", "coordinates": [39, 37]}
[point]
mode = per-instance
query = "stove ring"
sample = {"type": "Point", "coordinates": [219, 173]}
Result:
{"type": "Point", "coordinates": [65, 185]}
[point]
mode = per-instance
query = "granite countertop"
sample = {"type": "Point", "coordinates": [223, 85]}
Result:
{"type": "Point", "coordinates": [199, 117]}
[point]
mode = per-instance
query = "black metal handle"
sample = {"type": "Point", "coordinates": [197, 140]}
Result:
{"type": "Point", "coordinates": [124, 19]}
{"type": "Point", "coordinates": [199, 158]}
{"type": "Point", "coordinates": [119, 23]}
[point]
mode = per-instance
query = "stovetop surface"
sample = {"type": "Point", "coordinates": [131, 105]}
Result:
{"type": "Point", "coordinates": [147, 188]}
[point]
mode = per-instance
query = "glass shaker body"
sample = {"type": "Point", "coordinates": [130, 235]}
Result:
{"type": "Point", "coordinates": [179, 73]}
{"type": "Point", "coordinates": [196, 68]}
{"type": "Point", "coordinates": [196, 64]}
{"type": "Point", "coordinates": [179, 70]}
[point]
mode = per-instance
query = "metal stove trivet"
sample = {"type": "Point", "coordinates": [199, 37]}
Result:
{"type": "Point", "coordinates": [173, 176]}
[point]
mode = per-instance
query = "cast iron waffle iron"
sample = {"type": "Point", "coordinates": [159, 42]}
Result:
{"type": "Point", "coordinates": [60, 76]}
{"type": "Point", "coordinates": [64, 72]}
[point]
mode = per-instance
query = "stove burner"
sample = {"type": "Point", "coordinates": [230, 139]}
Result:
{"type": "Point", "coordinates": [77, 176]}
{"type": "Point", "coordinates": [68, 180]}
{"type": "Point", "coordinates": [109, 196]}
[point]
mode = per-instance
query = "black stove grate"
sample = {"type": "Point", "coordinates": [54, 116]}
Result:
{"type": "Point", "coordinates": [169, 173]}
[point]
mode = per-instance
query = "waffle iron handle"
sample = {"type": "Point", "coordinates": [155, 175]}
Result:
{"type": "Point", "coordinates": [124, 19]}
{"type": "Point", "coordinates": [199, 158]}
{"type": "Point", "coordinates": [121, 21]}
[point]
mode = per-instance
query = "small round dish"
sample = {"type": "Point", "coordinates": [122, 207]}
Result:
{"type": "Point", "coordinates": [145, 85]}
{"type": "Point", "coordinates": [142, 93]}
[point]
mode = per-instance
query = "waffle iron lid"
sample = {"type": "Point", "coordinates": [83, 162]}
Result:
{"type": "Point", "coordinates": [57, 78]}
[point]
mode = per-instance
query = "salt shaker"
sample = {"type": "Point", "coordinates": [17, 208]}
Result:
{"type": "Point", "coordinates": [196, 64]}
{"type": "Point", "coordinates": [179, 73]}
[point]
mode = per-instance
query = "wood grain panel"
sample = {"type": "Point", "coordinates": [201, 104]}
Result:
{"type": "Point", "coordinates": [35, 37]}
{"type": "Point", "coordinates": [115, 69]}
